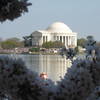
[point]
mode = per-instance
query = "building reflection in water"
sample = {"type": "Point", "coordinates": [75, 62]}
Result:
{"type": "Point", "coordinates": [54, 65]}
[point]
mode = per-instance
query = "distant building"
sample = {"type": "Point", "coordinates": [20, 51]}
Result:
{"type": "Point", "coordinates": [57, 31]}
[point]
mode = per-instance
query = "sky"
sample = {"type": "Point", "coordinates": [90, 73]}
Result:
{"type": "Point", "coordinates": [82, 16]}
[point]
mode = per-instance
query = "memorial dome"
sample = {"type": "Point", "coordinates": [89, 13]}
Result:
{"type": "Point", "coordinates": [59, 27]}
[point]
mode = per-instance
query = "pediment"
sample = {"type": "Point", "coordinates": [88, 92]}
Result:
{"type": "Point", "coordinates": [36, 33]}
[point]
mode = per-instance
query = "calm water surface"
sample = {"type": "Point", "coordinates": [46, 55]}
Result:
{"type": "Point", "coordinates": [54, 65]}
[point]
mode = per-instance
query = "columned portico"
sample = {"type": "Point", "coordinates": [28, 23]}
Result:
{"type": "Point", "coordinates": [56, 32]}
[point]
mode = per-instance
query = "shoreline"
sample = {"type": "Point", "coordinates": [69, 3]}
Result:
{"type": "Point", "coordinates": [33, 53]}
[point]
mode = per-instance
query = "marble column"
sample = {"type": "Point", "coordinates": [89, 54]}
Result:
{"type": "Point", "coordinates": [68, 41]}
{"type": "Point", "coordinates": [75, 41]}
{"type": "Point", "coordinates": [71, 40]}
{"type": "Point", "coordinates": [56, 38]}
{"type": "Point", "coordinates": [60, 38]}
{"type": "Point", "coordinates": [65, 42]}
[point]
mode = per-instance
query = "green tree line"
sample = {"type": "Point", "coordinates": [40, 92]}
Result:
{"type": "Point", "coordinates": [55, 44]}
{"type": "Point", "coordinates": [11, 43]}
{"type": "Point", "coordinates": [82, 41]}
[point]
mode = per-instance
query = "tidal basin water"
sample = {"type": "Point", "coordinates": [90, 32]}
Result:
{"type": "Point", "coordinates": [55, 66]}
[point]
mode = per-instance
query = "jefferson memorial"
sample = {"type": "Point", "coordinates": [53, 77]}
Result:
{"type": "Point", "coordinates": [57, 31]}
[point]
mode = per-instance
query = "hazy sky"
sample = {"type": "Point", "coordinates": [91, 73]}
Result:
{"type": "Point", "coordinates": [82, 16]}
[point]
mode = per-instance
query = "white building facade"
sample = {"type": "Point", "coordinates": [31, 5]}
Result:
{"type": "Point", "coordinates": [57, 31]}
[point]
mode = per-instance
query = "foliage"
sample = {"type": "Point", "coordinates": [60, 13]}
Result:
{"type": "Point", "coordinates": [81, 42]}
{"type": "Point", "coordinates": [95, 95]}
{"type": "Point", "coordinates": [27, 41]}
{"type": "Point", "coordinates": [14, 39]}
{"type": "Point", "coordinates": [19, 83]}
{"type": "Point", "coordinates": [55, 44]}
{"type": "Point", "coordinates": [77, 83]}
{"type": "Point", "coordinates": [91, 48]}
{"type": "Point", "coordinates": [12, 9]}
{"type": "Point", "coordinates": [82, 78]}
{"type": "Point", "coordinates": [70, 53]}
{"type": "Point", "coordinates": [34, 49]}
{"type": "Point", "coordinates": [77, 49]}
{"type": "Point", "coordinates": [11, 43]}
{"type": "Point", "coordinates": [47, 44]}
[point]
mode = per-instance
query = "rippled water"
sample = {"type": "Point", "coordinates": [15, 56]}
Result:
{"type": "Point", "coordinates": [54, 65]}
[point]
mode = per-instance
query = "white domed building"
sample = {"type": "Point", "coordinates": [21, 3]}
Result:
{"type": "Point", "coordinates": [57, 31]}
